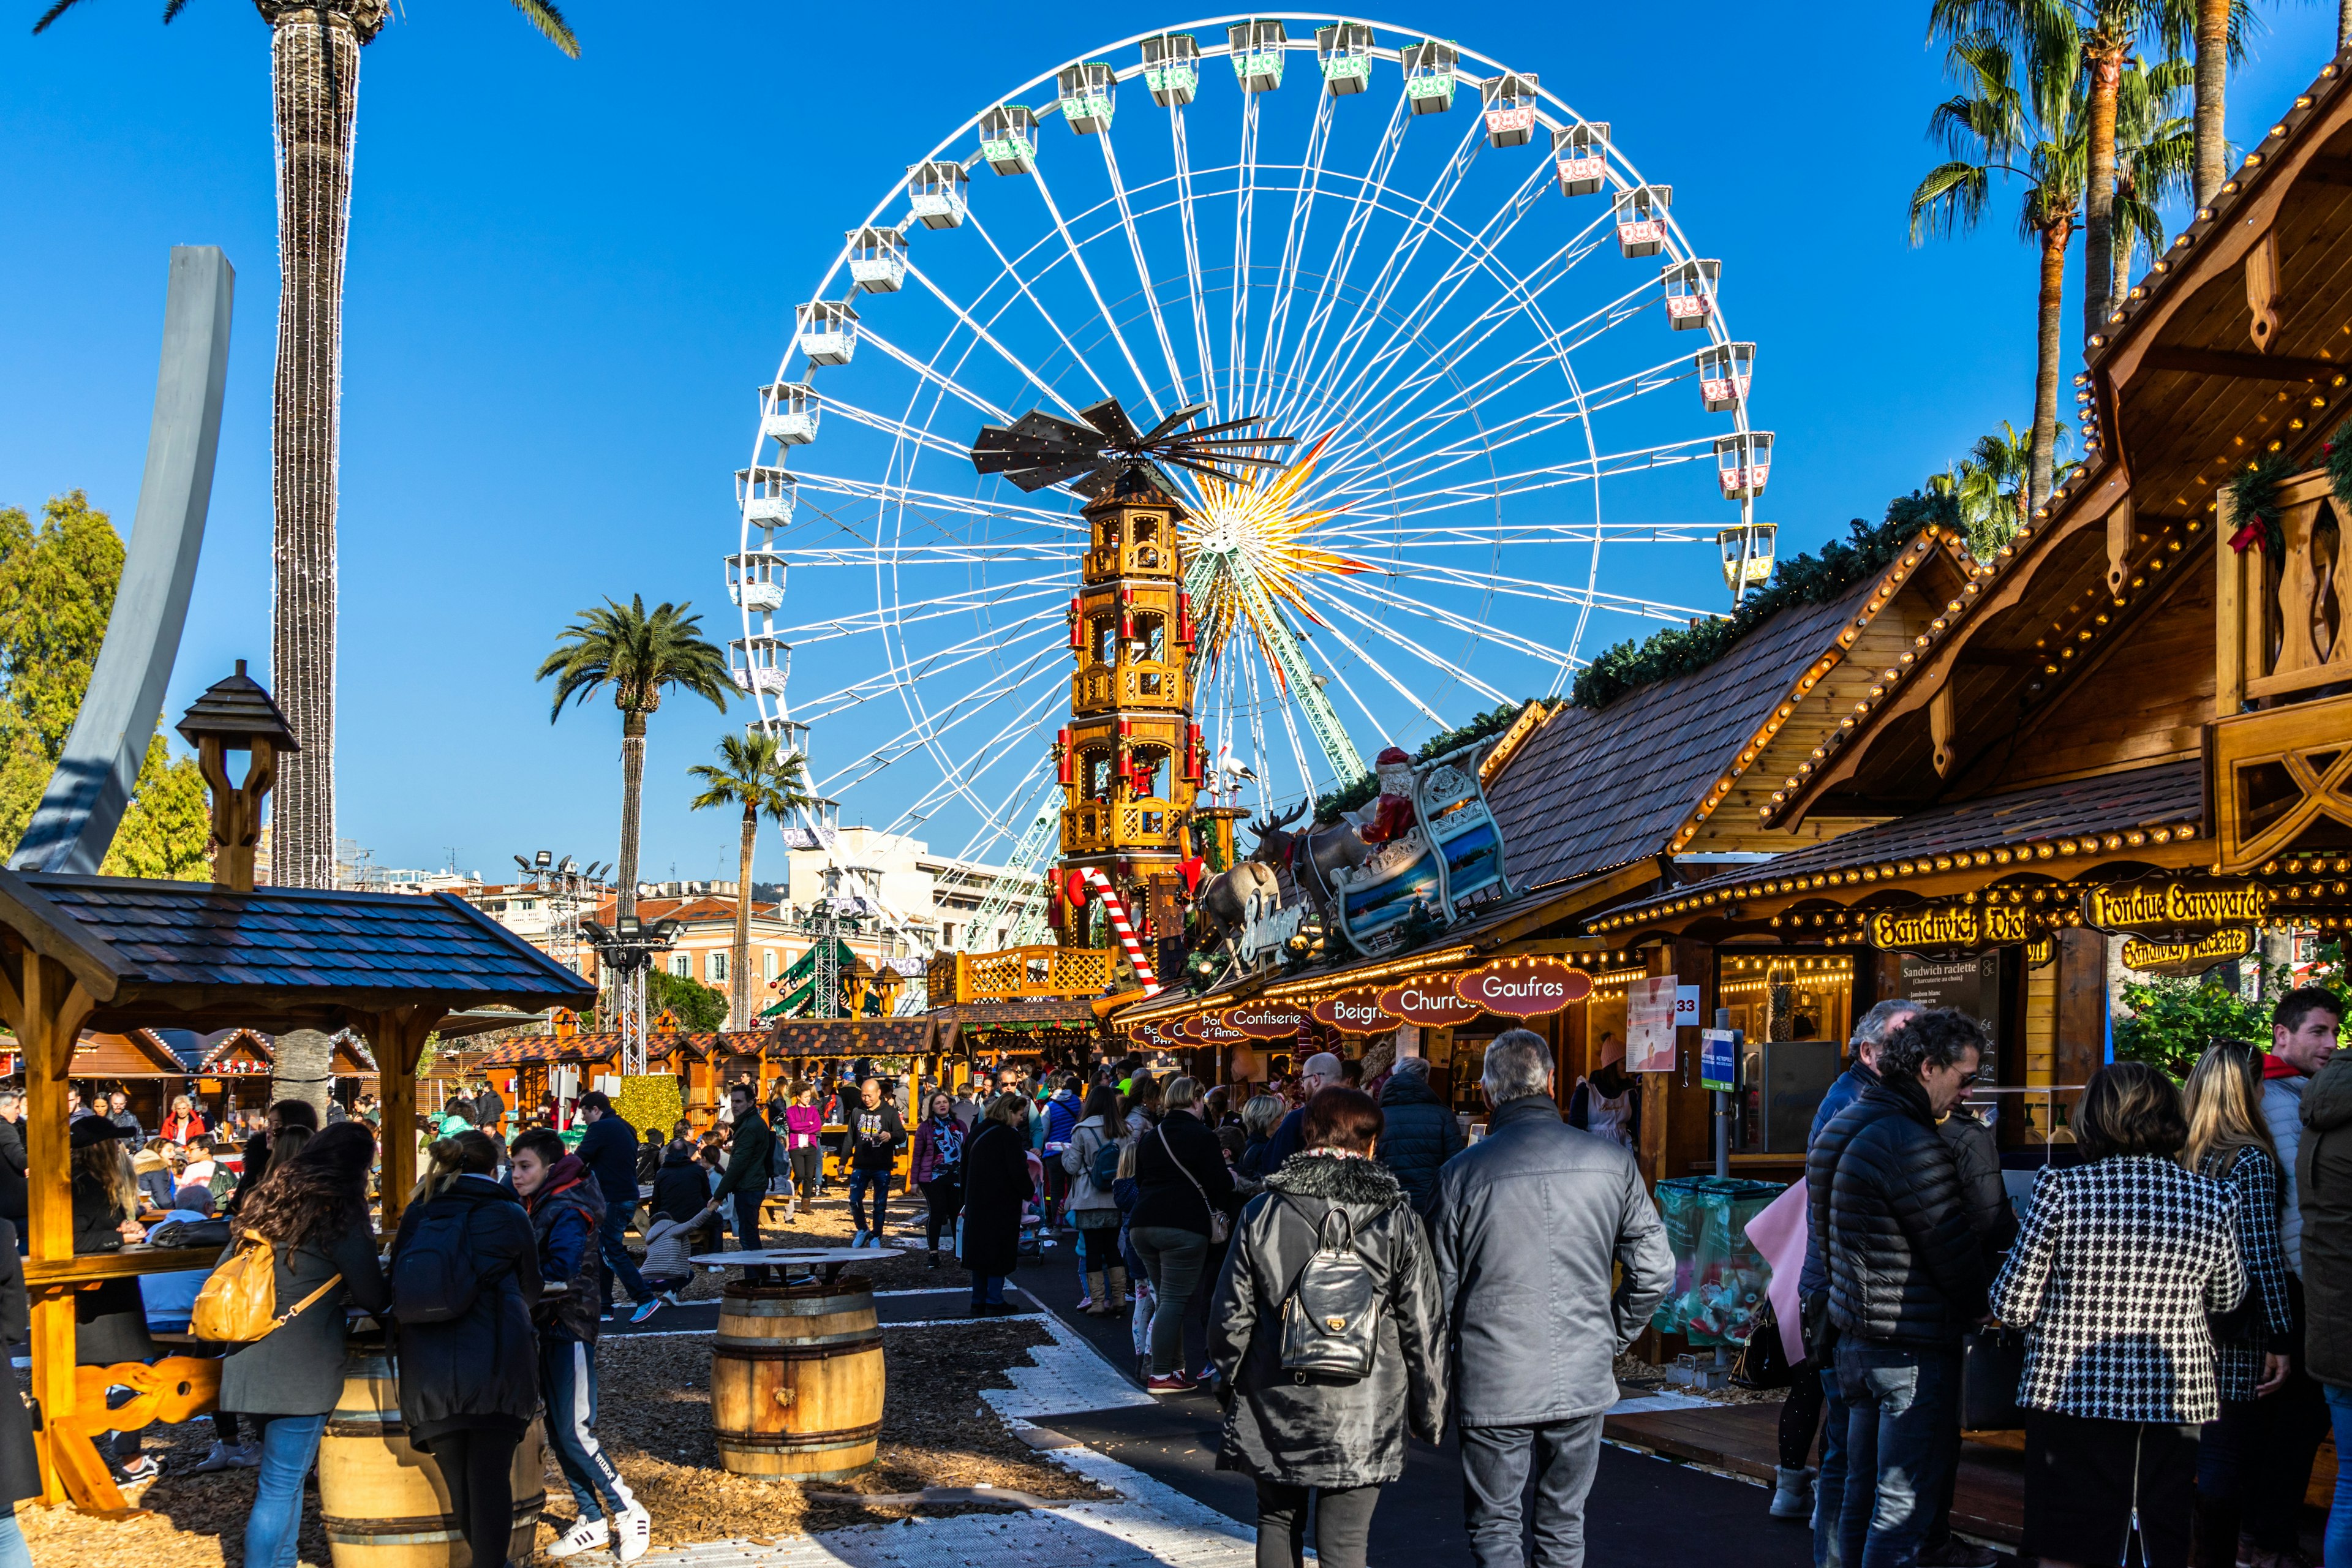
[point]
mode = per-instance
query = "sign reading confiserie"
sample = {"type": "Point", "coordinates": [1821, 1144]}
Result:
{"type": "Point", "coordinates": [1267, 1020]}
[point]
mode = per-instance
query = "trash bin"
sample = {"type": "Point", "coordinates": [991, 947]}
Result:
{"type": "Point", "coordinates": [1719, 1278]}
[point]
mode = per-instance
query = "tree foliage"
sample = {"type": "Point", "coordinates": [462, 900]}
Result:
{"type": "Point", "coordinates": [2173, 1020]}
{"type": "Point", "coordinates": [699, 1010]}
{"type": "Point", "coordinates": [1805, 579]}
{"type": "Point", "coordinates": [58, 582]}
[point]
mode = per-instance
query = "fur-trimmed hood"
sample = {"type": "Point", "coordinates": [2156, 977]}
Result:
{"type": "Point", "coordinates": [1338, 1179]}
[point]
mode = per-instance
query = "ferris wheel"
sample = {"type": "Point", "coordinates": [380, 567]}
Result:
{"type": "Point", "coordinates": [1453, 291]}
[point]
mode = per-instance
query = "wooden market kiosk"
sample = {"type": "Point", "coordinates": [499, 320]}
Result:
{"type": "Point", "coordinates": [115, 954]}
{"type": "Point", "coordinates": [2123, 739]}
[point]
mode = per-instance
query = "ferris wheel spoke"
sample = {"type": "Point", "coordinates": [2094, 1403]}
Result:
{"type": "Point", "coordinates": [1293, 244]}
{"type": "Point", "coordinates": [966, 506]}
{"type": "Point", "coordinates": [1000, 825]}
{"type": "Point", "coordinates": [1343, 537]}
{"type": "Point", "coordinates": [1188, 219]}
{"type": "Point", "coordinates": [1142, 382]}
{"type": "Point", "coordinates": [1142, 269]}
{"type": "Point", "coordinates": [985, 336]}
{"type": "Point", "coordinates": [1329, 290]}
{"type": "Point", "coordinates": [1480, 251]}
{"type": "Point", "coordinates": [1337, 634]}
{"type": "Point", "coordinates": [1244, 231]}
{"type": "Point", "coordinates": [1577, 471]}
{"type": "Point", "coordinates": [894, 617]}
{"type": "Point", "coordinates": [931, 722]}
{"type": "Point", "coordinates": [1454, 620]}
{"type": "Point", "coordinates": [1022, 289]}
{"type": "Point", "coordinates": [938, 662]}
{"type": "Point", "coordinates": [1382, 630]}
{"type": "Point", "coordinates": [1398, 261]}
{"type": "Point", "coordinates": [1547, 593]}
{"type": "Point", "coordinates": [959, 776]}
{"type": "Point", "coordinates": [833, 401]}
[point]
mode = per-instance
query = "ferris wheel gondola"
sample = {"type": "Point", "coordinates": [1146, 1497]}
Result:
{"type": "Point", "coordinates": [1473, 415]}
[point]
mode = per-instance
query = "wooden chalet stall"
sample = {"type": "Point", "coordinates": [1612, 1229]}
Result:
{"type": "Point", "coordinates": [1597, 808]}
{"type": "Point", "coordinates": [523, 1068]}
{"type": "Point", "coordinates": [2117, 744]}
{"type": "Point", "coordinates": [1022, 1005]}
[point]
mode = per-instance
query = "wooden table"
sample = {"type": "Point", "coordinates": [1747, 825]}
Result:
{"type": "Point", "coordinates": [831, 1259]}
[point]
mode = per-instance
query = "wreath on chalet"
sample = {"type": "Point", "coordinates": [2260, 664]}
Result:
{"type": "Point", "coordinates": [2254, 500]}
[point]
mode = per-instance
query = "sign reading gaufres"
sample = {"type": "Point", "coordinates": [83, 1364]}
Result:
{"type": "Point", "coordinates": [2171, 911]}
{"type": "Point", "coordinates": [1952, 928]}
{"type": "Point", "coordinates": [1523, 987]}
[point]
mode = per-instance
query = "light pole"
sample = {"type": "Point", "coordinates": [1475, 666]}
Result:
{"type": "Point", "coordinates": [628, 949]}
{"type": "Point", "coordinates": [825, 922]}
{"type": "Point", "coordinates": [566, 884]}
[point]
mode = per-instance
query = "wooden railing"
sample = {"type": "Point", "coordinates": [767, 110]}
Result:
{"type": "Point", "coordinates": [1022, 971]}
{"type": "Point", "coordinates": [2279, 752]}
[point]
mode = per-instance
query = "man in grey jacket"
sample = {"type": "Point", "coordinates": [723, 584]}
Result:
{"type": "Point", "coordinates": [1527, 1225]}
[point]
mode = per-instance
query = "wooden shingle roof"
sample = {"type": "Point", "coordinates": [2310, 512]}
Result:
{"type": "Point", "coordinates": [1594, 790]}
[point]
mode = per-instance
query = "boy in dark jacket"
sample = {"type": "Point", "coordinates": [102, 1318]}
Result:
{"type": "Point", "coordinates": [750, 1149]}
{"type": "Point", "coordinates": [566, 1212]}
{"type": "Point", "coordinates": [609, 1149]}
{"type": "Point", "coordinates": [1419, 1134]}
{"type": "Point", "coordinates": [875, 1133]}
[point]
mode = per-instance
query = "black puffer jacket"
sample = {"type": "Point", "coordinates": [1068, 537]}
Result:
{"type": "Point", "coordinates": [1905, 1264]}
{"type": "Point", "coordinates": [1327, 1434]}
{"type": "Point", "coordinates": [1418, 1134]}
{"type": "Point", "coordinates": [481, 1370]}
{"type": "Point", "coordinates": [682, 1185]}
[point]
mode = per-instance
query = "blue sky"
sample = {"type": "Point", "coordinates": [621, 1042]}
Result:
{"type": "Point", "coordinates": [567, 278]}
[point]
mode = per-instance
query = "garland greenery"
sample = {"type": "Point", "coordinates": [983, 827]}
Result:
{"type": "Point", "coordinates": [1493, 722]}
{"type": "Point", "coordinates": [1804, 580]}
{"type": "Point", "coordinates": [2339, 451]}
{"type": "Point", "coordinates": [2254, 503]}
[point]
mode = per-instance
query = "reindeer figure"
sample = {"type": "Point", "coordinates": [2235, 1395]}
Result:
{"type": "Point", "coordinates": [1312, 857]}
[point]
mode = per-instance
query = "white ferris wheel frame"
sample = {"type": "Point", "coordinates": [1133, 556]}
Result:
{"type": "Point", "coordinates": [1011, 819]}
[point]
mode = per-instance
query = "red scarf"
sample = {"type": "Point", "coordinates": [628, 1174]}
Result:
{"type": "Point", "coordinates": [2279, 1067]}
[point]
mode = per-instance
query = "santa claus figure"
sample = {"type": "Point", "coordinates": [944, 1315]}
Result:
{"type": "Point", "coordinates": [1390, 816]}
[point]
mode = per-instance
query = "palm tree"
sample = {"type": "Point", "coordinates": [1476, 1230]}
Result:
{"type": "Point", "coordinates": [2034, 134]}
{"type": "Point", "coordinates": [2218, 27]}
{"type": "Point", "coordinates": [315, 75]}
{"type": "Point", "coordinates": [757, 774]}
{"type": "Point", "coordinates": [2156, 156]}
{"type": "Point", "coordinates": [638, 656]}
{"type": "Point", "coordinates": [2061, 38]}
{"type": "Point", "coordinates": [1993, 486]}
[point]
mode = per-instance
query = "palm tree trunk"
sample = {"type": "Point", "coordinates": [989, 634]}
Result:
{"type": "Point", "coordinates": [2119, 280]}
{"type": "Point", "coordinates": [2212, 81]}
{"type": "Point", "coordinates": [315, 61]}
{"type": "Point", "coordinates": [633, 788]}
{"type": "Point", "coordinates": [2050, 309]}
{"type": "Point", "coordinates": [740, 974]}
{"type": "Point", "coordinates": [2343, 21]}
{"type": "Point", "coordinates": [2106, 64]}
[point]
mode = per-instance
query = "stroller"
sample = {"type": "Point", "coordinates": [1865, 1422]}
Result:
{"type": "Point", "coordinates": [1035, 1238]}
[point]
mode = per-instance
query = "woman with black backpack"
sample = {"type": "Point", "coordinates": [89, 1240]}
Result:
{"type": "Point", "coordinates": [313, 1210]}
{"type": "Point", "coordinates": [1093, 1206]}
{"type": "Point", "coordinates": [464, 1280]}
{"type": "Point", "coordinates": [1332, 1239]}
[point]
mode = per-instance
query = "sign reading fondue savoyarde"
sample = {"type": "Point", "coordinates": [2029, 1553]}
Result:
{"type": "Point", "coordinates": [2193, 956]}
{"type": "Point", "coordinates": [1952, 928]}
{"type": "Point", "coordinates": [2174, 909]}
{"type": "Point", "coordinates": [1267, 1020]}
{"type": "Point", "coordinates": [1523, 987]}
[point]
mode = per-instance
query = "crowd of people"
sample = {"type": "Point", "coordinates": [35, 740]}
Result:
{"type": "Point", "coordinates": [2164, 1314]}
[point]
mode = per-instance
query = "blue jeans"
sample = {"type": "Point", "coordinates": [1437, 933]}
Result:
{"type": "Point", "coordinates": [618, 1264]}
{"type": "Point", "coordinates": [1829, 1485]}
{"type": "Point", "coordinates": [860, 1183]}
{"type": "Point", "coordinates": [988, 1290]}
{"type": "Point", "coordinates": [567, 1381]}
{"type": "Point", "coordinates": [14, 1553]}
{"type": "Point", "coordinates": [1899, 1400]}
{"type": "Point", "coordinates": [2339, 1513]}
{"type": "Point", "coordinates": [289, 1445]}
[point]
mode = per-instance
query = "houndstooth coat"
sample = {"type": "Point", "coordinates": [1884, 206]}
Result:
{"type": "Point", "coordinates": [2117, 1265]}
{"type": "Point", "coordinates": [2238, 1363]}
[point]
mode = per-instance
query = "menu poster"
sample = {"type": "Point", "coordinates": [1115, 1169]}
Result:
{"type": "Point", "coordinates": [1650, 1025]}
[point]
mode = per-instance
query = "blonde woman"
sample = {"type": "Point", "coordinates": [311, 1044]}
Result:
{"type": "Point", "coordinates": [469, 1383]}
{"type": "Point", "coordinates": [2230, 1141]}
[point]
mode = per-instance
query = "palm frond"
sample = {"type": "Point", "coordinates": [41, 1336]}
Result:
{"type": "Point", "coordinates": [550, 21]}
{"type": "Point", "coordinates": [52, 14]}
{"type": "Point", "coordinates": [638, 654]}
{"type": "Point", "coordinates": [1950, 201]}
{"type": "Point", "coordinates": [171, 9]}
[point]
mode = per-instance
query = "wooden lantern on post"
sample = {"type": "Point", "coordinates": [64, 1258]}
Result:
{"type": "Point", "coordinates": [237, 715]}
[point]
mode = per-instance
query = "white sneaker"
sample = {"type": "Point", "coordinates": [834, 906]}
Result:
{"type": "Point", "coordinates": [584, 1536]}
{"type": "Point", "coordinates": [248, 1455]}
{"type": "Point", "coordinates": [636, 1533]}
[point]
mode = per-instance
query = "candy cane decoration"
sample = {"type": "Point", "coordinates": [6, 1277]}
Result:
{"type": "Point", "coordinates": [1124, 929]}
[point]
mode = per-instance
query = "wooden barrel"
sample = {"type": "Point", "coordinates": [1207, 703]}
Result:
{"type": "Point", "coordinates": [384, 1503]}
{"type": "Point", "coordinates": [796, 1379]}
